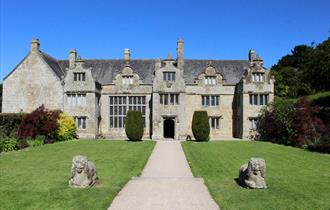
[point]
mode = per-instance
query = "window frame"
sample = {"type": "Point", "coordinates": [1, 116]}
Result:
{"type": "Point", "coordinates": [127, 79]}
{"type": "Point", "coordinates": [258, 76]}
{"type": "Point", "coordinates": [76, 99]}
{"type": "Point", "coordinates": [169, 98]}
{"type": "Point", "coordinates": [210, 100]}
{"type": "Point", "coordinates": [79, 76]}
{"type": "Point", "coordinates": [169, 76]}
{"type": "Point", "coordinates": [210, 80]}
{"type": "Point", "coordinates": [120, 105]}
{"type": "Point", "coordinates": [214, 122]}
{"type": "Point", "coordinates": [81, 122]}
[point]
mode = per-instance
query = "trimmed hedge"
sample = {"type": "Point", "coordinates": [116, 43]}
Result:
{"type": "Point", "coordinates": [200, 126]}
{"type": "Point", "coordinates": [9, 123]}
{"type": "Point", "coordinates": [134, 125]}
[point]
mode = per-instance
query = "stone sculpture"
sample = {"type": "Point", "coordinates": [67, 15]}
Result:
{"type": "Point", "coordinates": [83, 172]}
{"type": "Point", "coordinates": [252, 174]}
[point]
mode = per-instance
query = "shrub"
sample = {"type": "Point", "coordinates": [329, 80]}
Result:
{"type": "Point", "coordinates": [274, 124]}
{"type": "Point", "coordinates": [22, 143]}
{"type": "Point", "coordinates": [306, 123]}
{"type": "Point", "coordinates": [39, 122]}
{"type": "Point", "coordinates": [134, 125]}
{"type": "Point", "coordinates": [67, 127]}
{"type": "Point", "coordinates": [38, 141]}
{"type": "Point", "coordinates": [9, 123]}
{"type": "Point", "coordinates": [8, 144]}
{"type": "Point", "coordinates": [200, 126]}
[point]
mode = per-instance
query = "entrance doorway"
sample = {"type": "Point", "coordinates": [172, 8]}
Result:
{"type": "Point", "coordinates": [169, 128]}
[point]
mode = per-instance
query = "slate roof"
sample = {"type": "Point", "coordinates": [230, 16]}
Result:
{"type": "Point", "coordinates": [53, 63]}
{"type": "Point", "coordinates": [106, 70]}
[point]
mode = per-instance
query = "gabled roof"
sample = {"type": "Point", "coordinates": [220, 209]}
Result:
{"type": "Point", "coordinates": [53, 64]}
{"type": "Point", "coordinates": [106, 70]}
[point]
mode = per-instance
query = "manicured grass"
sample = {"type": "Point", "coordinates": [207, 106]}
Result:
{"type": "Point", "coordinates": [37, 178]}
{"type": "Point", "coordinates": [297, 179]}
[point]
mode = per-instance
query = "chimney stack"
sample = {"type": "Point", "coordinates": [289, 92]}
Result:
{"type": "Point", "coordinates": [179, 51]}
{"type": "Point", "coordinates": [127, 55]}
{"type": "Point", "coordinates": [73, 58]}
{"type": "Point", "coordinates": [35, 45]}
{"type": "Point", "coordinates": [251, 55]}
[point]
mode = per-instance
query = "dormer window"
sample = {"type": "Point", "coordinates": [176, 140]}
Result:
{"type": "Point", "coordinates": [169, 76]}
{"type": "Point", "coordinates": [127, 80]}
{"type": "Point", "coordinates": [79, 76]}
{"type": "Point", "coordinates": [257, 77]}
{"type": "Point", "coordinates": [209, 80]}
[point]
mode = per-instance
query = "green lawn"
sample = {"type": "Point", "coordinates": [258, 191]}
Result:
{"type": "Point", "coordinates": [37, 178]}
{"type": "Point", "coordinates": [297, 179]}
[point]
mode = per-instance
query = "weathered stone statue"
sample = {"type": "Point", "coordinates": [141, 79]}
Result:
{"type": "Point", "coordinates": [252, 174]}
{"type": "Point", "coordinates": [83, 172]}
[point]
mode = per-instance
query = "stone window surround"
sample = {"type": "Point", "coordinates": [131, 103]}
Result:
{"type": "Point", "coordinates": [214, 122]}
{"type": "Point", "coordinates": [169, 98]}
{"type": "Point", "coordinates": [127, 79]}
{"type": "Point", "coordinates": [210, 80]}
{"type": "Point", "coordinates": [81, 122]}
{"type": "Point", "coordinates": [253, 123]}
{"type": "Point", "coordinates": [121, 104]}
{"type": "Point", "coordinates": [258, 77]}
{"type": "Point", "coordinates": [210, 100]}
{"type": "Point", "coordinates": [169, 76]}
{"type": "Point", "coordinates": [76, 99]}
{"type": "Point", "coordinates": [258, 99]}
{"type": "Point", "coordinates": [79, 76]}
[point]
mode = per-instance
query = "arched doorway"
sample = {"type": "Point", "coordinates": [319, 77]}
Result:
{"type": "Point", "coordinates": [169, 128]}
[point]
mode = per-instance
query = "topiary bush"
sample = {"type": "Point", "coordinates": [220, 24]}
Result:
{"type": "Point", "coordinates": [39, 122]}
{"type": "Point", "coordinates": [9, 123]}
{"type": "Point", "coordinates": [67, 128]}
{"type": "Point", "coordinates": [200, 126]}
{"type": "Point", "coordinates": [134, 125]}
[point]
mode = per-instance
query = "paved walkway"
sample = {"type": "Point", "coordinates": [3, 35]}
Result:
{"type": "Point", "coordinates": [166, 183]}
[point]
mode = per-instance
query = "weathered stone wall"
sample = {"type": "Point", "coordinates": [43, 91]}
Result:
{"type": "Point", "coordinates": [32, 84]}
{"type": "Point", "coordinates": [91, 109]}
{"type": "Point", "coordinates": [250, 87]}
{"type": "Point", "coordinates": [118, 89]}
{"type": "Point", "coordinates": [174, 112]}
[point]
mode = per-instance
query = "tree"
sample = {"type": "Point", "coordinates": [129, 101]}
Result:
{"type": "Point", "coordinates": [134, 125]}
{"type": "Point", "coordinates": [304, 71]}
{"type": "Point", "coordinates": [1, 97]}
{"type": "Point", "coordinates": [317, 71]}
{"type": "Point", "coordinates": [306, 123]}
{"type": "Point", "coordinates": [200, 126]}
{"type": "Point", "coordinates": [274, 124]}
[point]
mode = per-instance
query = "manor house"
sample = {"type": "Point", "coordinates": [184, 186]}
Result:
{"type": "Point", "coordinates": [99, 92]}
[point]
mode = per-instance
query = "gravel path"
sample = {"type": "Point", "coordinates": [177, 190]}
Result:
{"type": "Point", "coordinates": [166, 183]}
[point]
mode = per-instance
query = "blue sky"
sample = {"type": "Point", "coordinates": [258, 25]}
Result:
{"type": "Point", "coordinates": [214, 29]}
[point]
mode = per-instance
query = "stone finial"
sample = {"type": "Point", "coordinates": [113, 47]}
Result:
{"type": "Point", "coordinates": [35, 45]}
{"type": "Point", "coordinates": [253, 174]}
{"type": "Point", "coordinates": [179, 50]}
{"type": "Point", "coordinates": [258, 60]}
{"type": "Point", "coordinates": [127, 55]}
{"type": "Point", "coordinates": [158, 64]}
{"type": "Point", "coordinates": [83, 172]}
{"type": "Point", "coordinates": [73, 58]}
{"type": "Point", "coordinates": [169, 57]}
{"type": "Point", "coordinates": [251, 55]}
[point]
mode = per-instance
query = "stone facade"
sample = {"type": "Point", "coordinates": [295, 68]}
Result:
{"type": "Point", "coordinates": [98, 93]}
